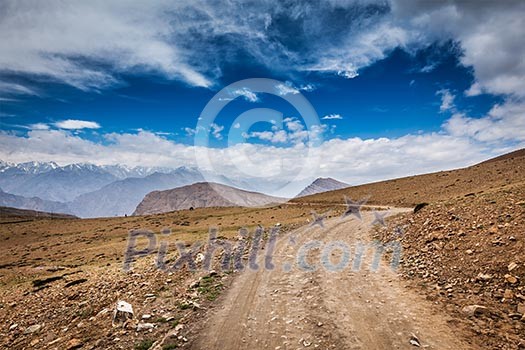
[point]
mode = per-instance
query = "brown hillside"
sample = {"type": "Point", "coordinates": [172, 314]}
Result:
{"type": "Point", "coordinates": [201, 195]}
{"type": "Point", "coordinates": [409, 191]}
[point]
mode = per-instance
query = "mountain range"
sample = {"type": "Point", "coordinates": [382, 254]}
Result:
{"type": "Point", "coordinates": [88, 190]}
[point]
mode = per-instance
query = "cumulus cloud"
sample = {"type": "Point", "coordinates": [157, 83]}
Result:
{"type": "Point", "coordinates": [489, 35]}
{"type": "Point", "coordinates": [288, 87]}
{"type": "Point", "coordinates": [504, 122]}
{"type": "Point", "coordinates": [447, 100]}
{"type": "Point", "coordinates": [246, 93]}
{"type": "Point", "coordinates": [216, 130]}
{"type": "Point", "coordinates": [354, 160]}
{"type": "Point", "coordinates": [75, 124]}
{"type": "Point", "coordinates": [39, 126]}
{"type": "Point", "coordinates": [332, 117]}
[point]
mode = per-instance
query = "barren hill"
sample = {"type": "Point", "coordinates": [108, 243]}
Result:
{"type": "Point", "coordinates": [201, 195]}
{"type": "Point", "coordinates": [409, 191]}
{"type": "Point", "coordinates": [322, 184]}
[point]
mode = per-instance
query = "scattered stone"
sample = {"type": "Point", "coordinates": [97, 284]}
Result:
{"type": "Point", "coordinates": [515, 316]}
{"type": "Point", "coordinates": [474, 310]}
{"type": "Point", "coordinates": [484, 276]}
{"type": "Point", "coordinates": [306, 343]}
{"type": "Point", "coordinates": [146, 316]}
{"type": "Point", "coordinates": [469, 251]}
{"type": "Point", "coordinates": [32, 329]}
{"type": "Point", "coordinates": [511, 279]}
{"type": "Point", "coordinates": [74, 344]}
{"type": "Point", "coordinates": [145, 326]}
{"type": "Point", "coordinates": [521, 308]}
{"type": "Point", "coordinates": [512, 266]}
{"type": "Point", "coordinates": [509, 294]}
{"type": "Point", "coordinates": [414, 341]}
{"type": "Point", "coordinates": [123, 312]}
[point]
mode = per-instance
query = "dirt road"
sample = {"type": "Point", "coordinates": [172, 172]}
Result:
{"type": "Point", "coordinates": [348, 309]}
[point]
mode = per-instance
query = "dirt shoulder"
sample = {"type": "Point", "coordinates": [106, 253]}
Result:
{"type": "Point", "coordinates": [467, 256]}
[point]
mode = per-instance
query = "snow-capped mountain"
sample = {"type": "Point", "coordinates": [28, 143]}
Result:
{"type": "Point", "coordinates": [89, 190]}
{"type": "Point", "coordinates": [28, 167]}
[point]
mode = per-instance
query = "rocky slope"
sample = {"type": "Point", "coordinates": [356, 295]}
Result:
{"type": "Point", "coordinates": [322, 184]}
{"type": "Point", "coordinates": [467, 254]}
{"type": "Point", "coordinates": [201, 195]}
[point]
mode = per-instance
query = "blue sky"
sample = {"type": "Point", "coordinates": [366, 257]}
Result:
{"type": "Point", "coordinates": [440, 85]}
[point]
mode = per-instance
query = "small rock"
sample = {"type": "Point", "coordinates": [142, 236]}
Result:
{"type": "Point", "coordinates": [484, 276]}
{"type": "Point", "coordinates": [515, 316]}
{"type": "Point", "coordinates": [511, 279]}
{"type": "Point", "coordinates": [32, 329]}
{"type": "Point", "coordinates": [146, 316]}
{"type": "Point", "coordinates": [414, 341]}
{"type": "Point", "coordinates": [474, 310]}
{"type": "Point", "coordinates": [512, 266]}
{"type": "Point", "coordinates": [123, 312]}
{"type": "Point", "coordinates": [469, 252]}
{"type": "Point", "coordinates": [508, 294]}
{"type": "Point", "coordinates": [74, 344]}
{"type": "Point", "coordinates": [521, 308]}
{"type": "Point", "coordinates": [145, 326]}
{"type": "Point", "coordinates": [13, 326]}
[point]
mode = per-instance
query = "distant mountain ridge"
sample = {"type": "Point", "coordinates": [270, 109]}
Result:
{"type": "Point", "coordinates": [122, 197]}
{"type": "Point", "coordinates": [201, 195]}
{"type": "Point", "coordinates": [322, 184]}
{"type": "Point", "coordinates": [32, 203]}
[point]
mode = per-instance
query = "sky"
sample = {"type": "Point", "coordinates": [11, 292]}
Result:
{"type": "Point", "coordinates": [391, 88]}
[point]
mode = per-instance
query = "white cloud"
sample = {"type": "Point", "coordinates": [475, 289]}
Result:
{"type": "Point", "coordinates": [74, 124]}
{"type": "Point", "coordinates": [332, 116]}
{"type": "Point", "coordinates": [504, 122]}
{"type": "Point", "coordinates": [248, 94]}
{"type": "Point", "coordinates": [447, 100]}
{"type": "Point", "coordinates": [353, 160]}
{"type": "Point", "coordinates": [66, 41]}
{"type": "Point", "coordinates": [8, 88]}
{"type": "Point", "coordinates": [237, 126]}
{"type": "Point", "coordinates": [61, 41]}
{"type": "Point", "coordinates": [287, 88]}
{"type": "Point", "coordinates": [489, 35]}
{"type": "Point", "coordinates": [39, 126]}
{"type": "Point", "coordinates": [216, 130]}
